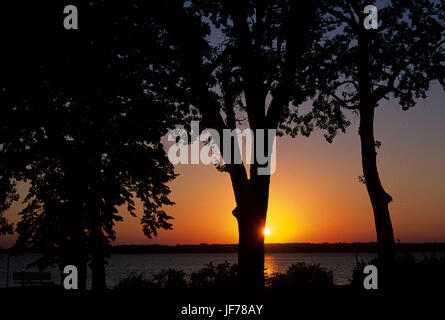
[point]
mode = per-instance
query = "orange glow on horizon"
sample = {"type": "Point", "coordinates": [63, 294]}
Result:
{"type": "Point", "coordinates": [315, 195]}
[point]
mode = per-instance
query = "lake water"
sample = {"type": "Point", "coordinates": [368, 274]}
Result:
{"type": "Point", "coordinates": [122, 265]}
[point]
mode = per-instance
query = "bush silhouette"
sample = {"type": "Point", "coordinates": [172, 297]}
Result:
{"type": "Point", "coordinates": [221, 275]}
{"type": "Point", "coordinates": [134, 282]}
{"type": "Point", "coordinates": [170, 279]}
{"type": "Point", "coordinates": [301, 275]}
{"type": "Point", "coordinates": [225, 275]}
{"type": "Point", "coordinates": [408, 274]}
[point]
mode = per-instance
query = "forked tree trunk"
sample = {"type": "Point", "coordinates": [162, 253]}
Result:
{"type": "Point", "coordinates": [380, 199]}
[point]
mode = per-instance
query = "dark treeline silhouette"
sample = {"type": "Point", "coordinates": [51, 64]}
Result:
{"type": "Point", "coordinates": [359, 247]}
{"type": "Point", "coordinates": [279, 248]}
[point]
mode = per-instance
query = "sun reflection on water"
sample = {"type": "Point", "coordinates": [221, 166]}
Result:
{"type": "Point", "coordinates": [270, 265]}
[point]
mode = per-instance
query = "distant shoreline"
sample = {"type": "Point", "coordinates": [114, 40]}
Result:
{"type": "Point", "coordinates": [360, 247]}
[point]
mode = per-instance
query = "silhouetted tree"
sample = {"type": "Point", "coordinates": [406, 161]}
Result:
{"type": "Point", "coordinates": [85, 127]}
{"type": "Point", "coordinates": [246, 63]}
{"type": "Point", "coordinates": [359, 68]}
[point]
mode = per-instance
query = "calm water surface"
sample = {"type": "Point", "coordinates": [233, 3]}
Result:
{"type": "Point", "coordinates": [123, 265]}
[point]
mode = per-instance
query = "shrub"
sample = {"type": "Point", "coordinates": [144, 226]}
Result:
{"type": "Point", "coordinates": [301, 275]}
{"type": "Point", "coordinates": [221, 275]}
{"type": "Point", "coordinates": [408, 273]}
{"type": "Point", "coordinates": [170, 279]}
{"type": "Point", "coordinates": [134, 282]}
{"type": "Point", "coordinates": [225, 276]}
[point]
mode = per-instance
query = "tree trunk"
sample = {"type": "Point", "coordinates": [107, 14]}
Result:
{"type": "Point", "coordinates": [251, 214]}
{"type": "Point", "coordinates": [98, 272]}
{"type": "Point", "coordinates": [98, 282]}
{"type": "Point", "coordinates": [75, 254]}
{"type": "Point", "coordinates": [251, 251]}
{"type": "Point", "coordinates": [378, 196]}
{"type": "Point", "coordinates": [81, 264]}
{"type": "Point", "coordinates": [75, 250]}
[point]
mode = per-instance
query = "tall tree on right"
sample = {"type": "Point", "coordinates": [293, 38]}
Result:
{"type": "Point", "coordinates": [361, 66]}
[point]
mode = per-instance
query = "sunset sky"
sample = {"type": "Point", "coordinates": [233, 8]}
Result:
{"type": "Point", "coordinates": [315, 193]}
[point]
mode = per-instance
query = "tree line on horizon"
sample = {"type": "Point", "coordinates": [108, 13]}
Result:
{"type": "Point", "coordinates": [82, 112]}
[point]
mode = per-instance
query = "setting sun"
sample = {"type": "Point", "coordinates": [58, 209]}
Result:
{"type": "Point", "coordinates": [266, 231]}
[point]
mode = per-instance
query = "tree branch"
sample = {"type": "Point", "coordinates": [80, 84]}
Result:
{"type": "Point", "coordinates": [209, 68]}
{"type": "Point", "coordinates": [296, 28]}
{"type": "Point", "coordinates": [342, 102]}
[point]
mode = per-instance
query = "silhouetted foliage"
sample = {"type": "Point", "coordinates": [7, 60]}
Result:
{"type": "Point", "coordinates": [222, 276]}
{"type": "Point", "coordinates": [79, 113]}
{"type": "Point", "coordinates": [170, 279]}
{"type": "Point", "coordinates": [83, 111]}
{"type": "Point", "coordinates": [409, 275]}
{"type": "Point", "coordinates": [357, 273]}
{"type": "Point", "coordinates": [247, 64]}
{"type": "Point", "coordinates": [301, 275]}
{"type": "Point", "coordinates": [135, 282]}
{"type": "Point", "coordinates": [358, 68]}
{"type": "Point", "coordinates": [166, 279]}
{"type": "Point", "coordinates": [8, 195]}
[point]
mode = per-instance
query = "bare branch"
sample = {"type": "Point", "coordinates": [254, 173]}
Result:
{"type": "Point", "coordinates": [218, 60]}
{"type": "Point", "coordinates": [342, 17]}
{"type": "Point", "coordinates": [342, 102]}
